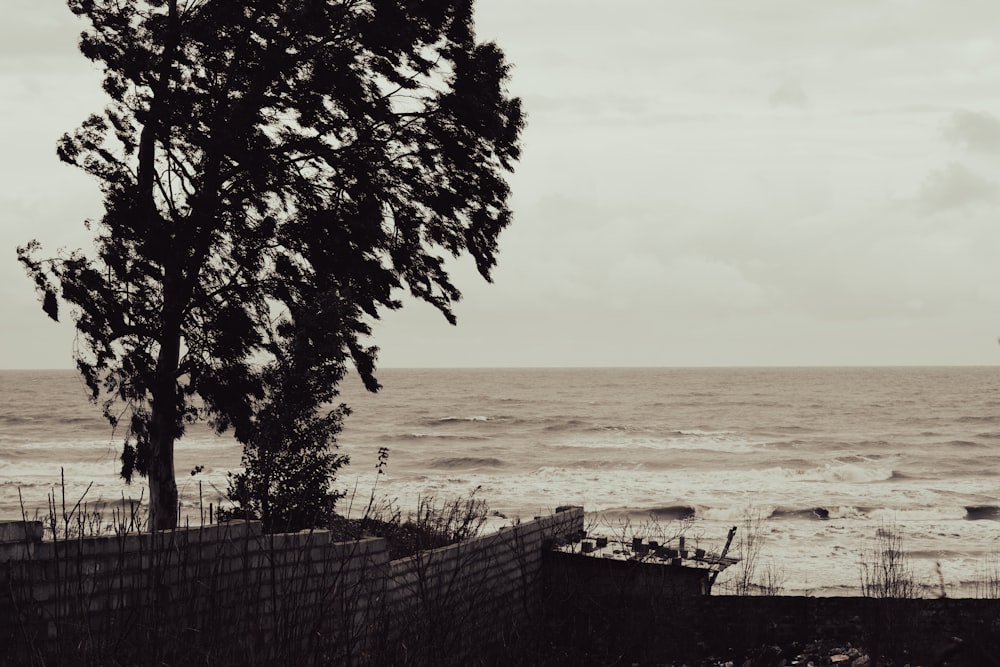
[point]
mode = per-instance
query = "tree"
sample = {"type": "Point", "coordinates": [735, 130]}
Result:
{"type": "Point", "coordinates": [287, 461]}
{"type": "Point", "coordinates": [274, 175]}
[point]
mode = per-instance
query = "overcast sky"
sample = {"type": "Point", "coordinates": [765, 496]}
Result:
{"type": "Point", "coordinates": [704, 183]}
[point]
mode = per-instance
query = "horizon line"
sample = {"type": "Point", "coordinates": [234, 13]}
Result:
{"type": "Point", "coordinates": [614, 367]}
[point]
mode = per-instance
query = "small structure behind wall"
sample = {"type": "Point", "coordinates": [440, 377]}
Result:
{"type": "Point", "coordinates": [607, 599]}
{"type": "Point", "coordinates": [585, 578]}
{"type": "Point", "coordinates": [599, 568]}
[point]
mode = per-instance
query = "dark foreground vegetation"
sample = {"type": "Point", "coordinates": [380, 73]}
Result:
{"type": "Point", "coordinates": [773, 631]}
{"type": "Point", "coordinates": [549, 620]}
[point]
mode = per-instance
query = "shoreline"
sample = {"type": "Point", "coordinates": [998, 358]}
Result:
{"type": "Point", "coordinates": [802, 571]}
{"type": "Point", "coordinates": [925, 576]}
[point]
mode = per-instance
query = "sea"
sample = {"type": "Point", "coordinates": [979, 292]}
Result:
{"type": "Point", "coordinates": [814, 463]}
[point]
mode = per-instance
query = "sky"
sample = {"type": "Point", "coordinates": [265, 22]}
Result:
{"type": "Point", "coordinates": [711, 183]}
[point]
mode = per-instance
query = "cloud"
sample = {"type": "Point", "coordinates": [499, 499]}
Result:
{"type": "Point", "coordinates": [28, 32]}
{"type": "Point", "coordinates": [789, 94]}
{"type": "Point", "coordinates": [976, 131]}
{"type": "Point", "coordinates": [613, 110]}
{"type": "Point", "coordinates": [956, 187]}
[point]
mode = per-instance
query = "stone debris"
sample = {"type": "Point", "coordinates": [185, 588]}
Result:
{"type": "Point", "coordinates": [826, 653]}
{"type": "Point", "coordinates": [813, 654]}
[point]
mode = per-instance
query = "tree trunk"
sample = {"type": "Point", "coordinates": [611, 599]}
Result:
{"type": "Point", "coordinates": [163, 429]}
{"type": "Point", "coordinates": [164, 420]}
{"type": "Point", "coordinates": [162, 481]}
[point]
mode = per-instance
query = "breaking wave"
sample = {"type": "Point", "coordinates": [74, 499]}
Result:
{"type": "Point", "coordinates": [431, 436]}
{"type": "Point", "coordinates": [672, 512]}
{"type": "Point", "coordinates": [820, 513]}
{"type": "Point", "coordinates": [466, 462]}
{"type": "Point", "coordinates": [982, 513]}
{"type": "Point", "coordinates": [850, 473]}
{"type": "Point", "coordinates": [964, 443]}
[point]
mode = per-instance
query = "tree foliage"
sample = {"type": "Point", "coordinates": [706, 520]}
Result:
{"type": "Point", "coordinates": [274, 175]}
{"type": "Point", "coordinates": [288, 464]}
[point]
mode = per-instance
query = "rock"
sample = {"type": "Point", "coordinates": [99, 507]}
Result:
{"type": "Point", "coordinates": [863, 661]}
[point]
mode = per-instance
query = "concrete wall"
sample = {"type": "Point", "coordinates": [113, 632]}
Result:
{"type": "Point", "coordinates": [228, 594]}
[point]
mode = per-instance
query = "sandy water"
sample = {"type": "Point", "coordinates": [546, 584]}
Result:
{"type": "Point", "coordinates": [913, 448]}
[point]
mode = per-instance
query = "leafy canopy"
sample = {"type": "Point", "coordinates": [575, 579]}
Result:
{"type": "Point", "coordinates": [274, 173]}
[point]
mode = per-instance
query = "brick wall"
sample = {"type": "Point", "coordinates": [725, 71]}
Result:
{"type": "Point", "coordinates": [228, 594]}
{"type": "Point", "coordinates": [471, 599]}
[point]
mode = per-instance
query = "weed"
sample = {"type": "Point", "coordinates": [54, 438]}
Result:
{"type": "Point", "coordinates": [987, 582]}
{"type": "Point", "coordinates": [623, 530]}
{"type": "Point", "coordinates": [772, 579]}
{"type": "Point", "coordinates": [885, 567]}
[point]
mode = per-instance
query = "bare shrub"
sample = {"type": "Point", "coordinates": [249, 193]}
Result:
{"type": "Point", "coordinates": [987, 582]}
{"type": "Point", "coordinates": [434, 523]}
{"type": "Point", "coordinates": [454, 520]}
{"type": "Point", "coordinates": [885, 567]}
{"type": "Point", "coordinates": [772, 579]}
{"type": "Point", "coordinates": [624, 530]}
{"type": "Point", "coordinates": [749, 542]}
{"type": "Point", "coordinates": [741, 579]}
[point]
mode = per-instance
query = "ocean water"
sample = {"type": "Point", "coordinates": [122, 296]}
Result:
{"type": "Point", "coordinates": [914, 449]}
